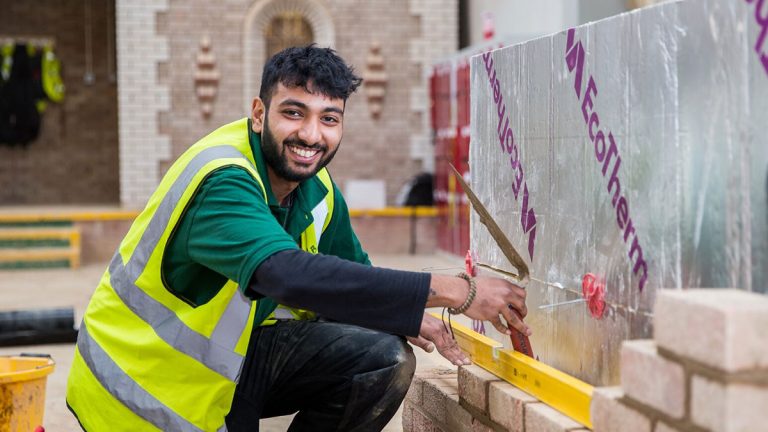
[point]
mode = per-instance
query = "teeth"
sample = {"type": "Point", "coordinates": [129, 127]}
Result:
{"type": "Point", "coordinates": [303, 152]}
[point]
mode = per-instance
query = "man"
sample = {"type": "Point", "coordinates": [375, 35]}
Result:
{"type": "Point", "coordinates": [184, 331]}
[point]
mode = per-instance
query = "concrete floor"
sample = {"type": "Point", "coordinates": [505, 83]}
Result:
{"type": "Point", "coordinates": [27, 289]}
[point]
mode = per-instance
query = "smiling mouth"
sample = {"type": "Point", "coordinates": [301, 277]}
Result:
{"type": "Point", "coordinates": [303, 152]}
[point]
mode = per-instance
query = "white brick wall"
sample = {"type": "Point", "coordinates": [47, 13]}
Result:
{"type": "Point", "coordinates": [439, 38]}
{"type": "Point", "coordinates": [140, 98]}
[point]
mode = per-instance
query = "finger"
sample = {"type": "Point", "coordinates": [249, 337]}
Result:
{"type": "Point", "coordinates": [496, 321]}
{"type": "Point", "coordinates": [517, 301]}
{"type": "Point", "coordinates": [515, 321]}
{"type": "Point", "coordinates": [422, 343]}
{"type": "Point", "coordinates": [456, 357]}
{"type": "Point", "coordinates": [452, 352]}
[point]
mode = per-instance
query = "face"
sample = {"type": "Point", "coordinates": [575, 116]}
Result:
{"type": "Point", "coordinates": [300, 131]}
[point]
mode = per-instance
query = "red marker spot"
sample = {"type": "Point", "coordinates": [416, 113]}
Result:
{"type": "Point", "coordinates": [593, 289]}
{"type": "Point", "coordinates": [469, 264]}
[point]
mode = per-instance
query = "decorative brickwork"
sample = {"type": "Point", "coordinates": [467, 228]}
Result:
{"type": "Point", "coordinates": [411, 35]}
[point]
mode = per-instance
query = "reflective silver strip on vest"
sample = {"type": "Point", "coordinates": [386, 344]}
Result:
{"type": "Point", "coordinates": [283, 313]}
{"type": "Point", "coordinates": [125, 389]}
{"type": "Point", "coordinates": [216, 352]}
{"type": "Point", "coordinates": [319, 213]}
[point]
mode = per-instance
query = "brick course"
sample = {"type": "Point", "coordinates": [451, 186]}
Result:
{"type": "Point", "coordinates": [540, 417]}
{"type": "Point", "coordinates": [473, 386]}
{"type": "Point", "coordinates": [728, 407]}
{"type": "Point", "coordinates": [724, 329]}
{"type": "Point", "coordinates": [609, 414]}
{"type": "Point", "coordinates": [652, 379]}
{"type": "Point", "coordinates": [506, 404]}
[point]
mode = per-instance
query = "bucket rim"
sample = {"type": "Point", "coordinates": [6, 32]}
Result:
{"type": "Point", "coordinates": [40, 367]}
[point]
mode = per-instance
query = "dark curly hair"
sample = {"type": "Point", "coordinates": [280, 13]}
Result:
{"type": "Point", "coordinates": [300, 66]}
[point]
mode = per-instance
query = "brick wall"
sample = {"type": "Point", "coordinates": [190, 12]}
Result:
{"type": "Point", "coordinates": [78, 159]}
{"type": "Point", "coordinates": [75, 158]}
{"type": "Point", "coordinates": [141, 55]}
{"type": "Point", "coordinates": [411, 35]}
{"type": "Point", "coordinates": [705, 370]}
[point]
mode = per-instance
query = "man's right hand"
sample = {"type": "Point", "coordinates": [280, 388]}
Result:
{"type": "Point", "coordinates": [498, 296]}
{"type": "Point", "coordinates": [495, 297]}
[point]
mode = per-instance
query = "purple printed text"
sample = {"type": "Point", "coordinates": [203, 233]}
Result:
{"type": "Point", "coordinates": [509, 147]}
{"type": "Point", "coordinates": [606, 152]}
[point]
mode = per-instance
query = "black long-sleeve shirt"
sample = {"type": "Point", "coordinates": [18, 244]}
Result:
{"type": "Point", "coordinates": [373, 297]}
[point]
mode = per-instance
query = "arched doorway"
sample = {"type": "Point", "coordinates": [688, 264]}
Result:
{"type": "Point", "coordinates": [272, 25]}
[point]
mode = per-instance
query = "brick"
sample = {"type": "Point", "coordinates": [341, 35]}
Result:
{"type": "Point", "coordinates": [506, 404]}
{"type": "Point", "coordinates": [473, 386]}
{"type": "Point", "coordinates": [479, 426]}
{"type": "Point", "coordinates": [407, 416]}
{"type": "Point", "coordinates": [728, 407]}
{"type": "Point", "coordinates": [435, 396]}
{"type": "Point", "coordinates": [663, 427]}
{"type": "Point", "coordinates": [457, 418]}
{"type": "Point", "coordinates": [722, 328]}
{"type": "Point", "coordinates": [651, 379]}
{"type": "Point", "coordinates": [609, 414]}
{"type": "Point", "coordinates": [415, 391]}
{"type": "Point", "coordinates": [540, 417]}
{"type": "Point", "coordinates": [422, 423]}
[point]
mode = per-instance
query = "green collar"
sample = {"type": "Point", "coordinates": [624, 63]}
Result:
{"type": "Point", "coordinates": [309, 193]}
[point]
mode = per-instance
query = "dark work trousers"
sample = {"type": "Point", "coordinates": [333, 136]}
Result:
{"type": "Point", "coordinates": [338, 377]}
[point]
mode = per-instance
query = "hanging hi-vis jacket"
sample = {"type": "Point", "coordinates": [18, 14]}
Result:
{"type": "Point", "coordinates": [146, 359]}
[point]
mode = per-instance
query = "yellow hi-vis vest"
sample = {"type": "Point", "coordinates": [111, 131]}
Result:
{"type": "Point", "coordinates": [145, 359]}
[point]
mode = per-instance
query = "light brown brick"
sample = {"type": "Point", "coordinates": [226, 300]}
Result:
{"type": "Point", "coordinates": [473, 386]}
{"type": "Point", "coordinates": [407, 416]}
{"type": "Point", "coordinates": [478, 426]}
{"type": "Point", "coordinates": [506, 404]}
{"type": "Point", "coordinates": [422, 423]}
{"type": "Point", "coordinates": [415, 391]}
{"type": "Point", "coordinates": [651, 379]}
{"type": "Point", "coordinates": [540, 417]}
{"type": "Point", "coordinates": [728, 407]}
{"type": "Point", "coordinates": [722, 328]}
{"type": "Point", "coordinates": [435, 398]}
{"type": "Point", "coordinates": [610, 415]}
{"type": "Point", "coordinates": [457, 418]}
{"type": "Point", "coordinates": [663, 427]}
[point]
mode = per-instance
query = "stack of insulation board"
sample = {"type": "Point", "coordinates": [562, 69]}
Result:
{"type": "Point", "coordinates": [634, 148]}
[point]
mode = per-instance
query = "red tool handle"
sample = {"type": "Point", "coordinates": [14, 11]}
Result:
{"type": "Point", "coordinates": [520, 341]}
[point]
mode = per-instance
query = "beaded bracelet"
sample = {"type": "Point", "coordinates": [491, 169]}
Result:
{"type": "Point", "coordinates": [470, 297]}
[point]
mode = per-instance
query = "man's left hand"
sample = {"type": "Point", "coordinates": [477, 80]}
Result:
{"type": "Point", "coordinates": [434, 334]}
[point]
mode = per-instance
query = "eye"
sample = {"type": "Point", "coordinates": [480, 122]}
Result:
{"type": "Point", "coordinates": [292, 113]}
{"type": "Point", "coordinates": [330, 119]}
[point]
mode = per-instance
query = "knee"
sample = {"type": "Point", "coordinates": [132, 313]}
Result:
{"type": "Point", "coordinates": [395, 353]}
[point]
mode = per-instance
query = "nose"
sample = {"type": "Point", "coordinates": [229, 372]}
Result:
{"type": "Point", "coordinates": [310, 131]}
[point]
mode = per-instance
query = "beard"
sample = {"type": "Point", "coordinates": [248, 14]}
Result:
{"type": "Point", "coordinates": [276, 158]}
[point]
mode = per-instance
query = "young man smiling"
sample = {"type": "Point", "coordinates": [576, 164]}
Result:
{"type": "Point", "coordinates": [241, 291]}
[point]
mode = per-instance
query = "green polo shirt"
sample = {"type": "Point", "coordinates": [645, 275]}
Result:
{"type": "Point", "coordinates": [228, 230]}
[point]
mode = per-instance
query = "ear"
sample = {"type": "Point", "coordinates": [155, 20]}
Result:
{"type": "Point", "coordinates": [258, 111]}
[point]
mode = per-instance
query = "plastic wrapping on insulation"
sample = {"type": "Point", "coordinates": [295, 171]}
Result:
{"type": "Point", "coordinates": [633, 148]}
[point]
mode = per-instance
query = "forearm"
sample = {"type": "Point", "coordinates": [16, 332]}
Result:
{"type": "Point", "coordinates": [378, 298]}
{"type": "Point", "coordinates": [447, 291]}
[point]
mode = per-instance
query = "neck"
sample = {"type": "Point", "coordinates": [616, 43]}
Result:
{"type": "Point", "coordinates": [281, 188]}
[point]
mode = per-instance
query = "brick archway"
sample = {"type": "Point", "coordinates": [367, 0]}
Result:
{"type": "Point", "coordinates": [254, 44]}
